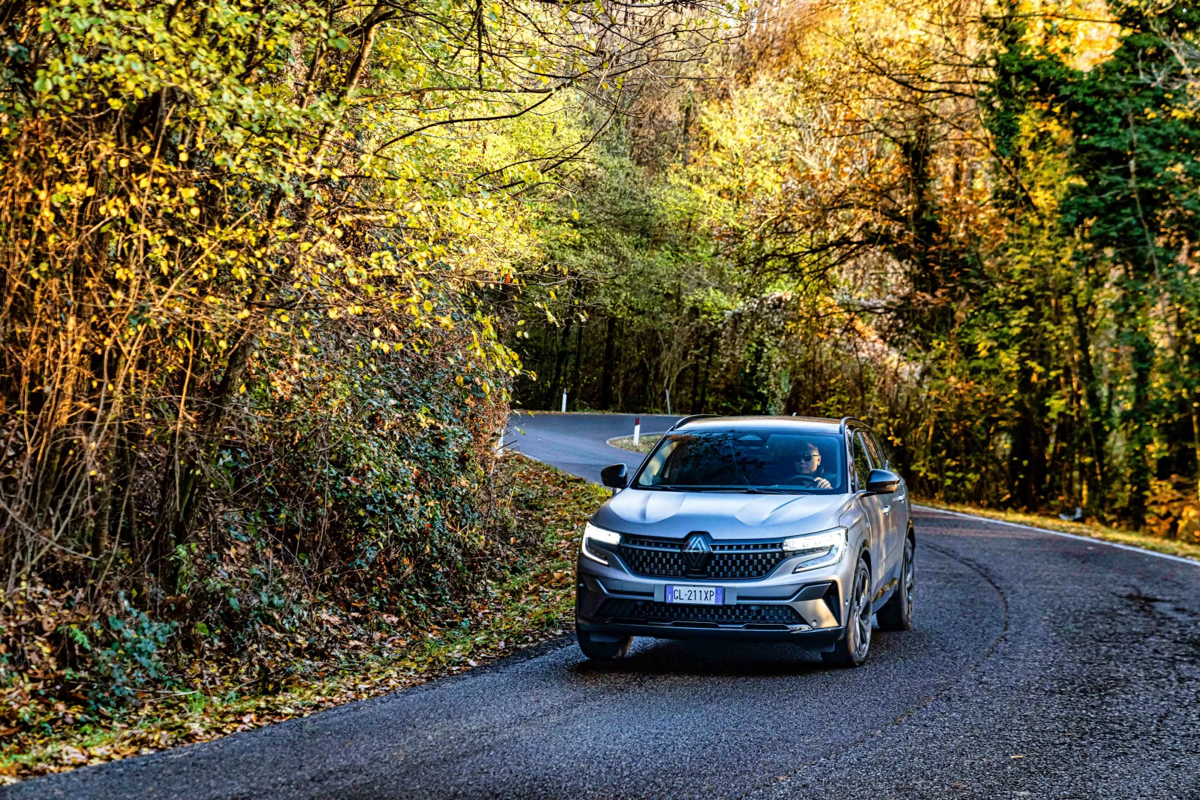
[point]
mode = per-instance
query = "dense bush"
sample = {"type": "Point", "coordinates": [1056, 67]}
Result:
{"type": "Point", "coordinates": [246, 372]}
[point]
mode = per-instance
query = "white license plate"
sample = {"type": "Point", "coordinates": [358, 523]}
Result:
{"type": "Point", "coordinates": [696, 595]}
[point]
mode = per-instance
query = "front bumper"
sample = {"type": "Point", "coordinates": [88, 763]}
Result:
{"type": "Point", "coordinates": [806, 608]}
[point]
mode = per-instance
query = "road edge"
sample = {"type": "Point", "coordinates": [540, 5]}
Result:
{"type": "Point", "coordinates": [1131, 548]}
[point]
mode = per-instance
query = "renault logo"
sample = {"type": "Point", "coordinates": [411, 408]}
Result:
{"type": "Point", "coordinates": [697, 552]}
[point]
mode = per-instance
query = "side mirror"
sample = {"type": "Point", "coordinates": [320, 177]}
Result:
{"type": "Point", "coordinates": [614, 476]}
{"type": "Point", "coordinates": [882, 481]}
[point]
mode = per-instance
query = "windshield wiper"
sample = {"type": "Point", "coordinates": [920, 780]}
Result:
{"type": "Point", "coordinates": [732, 489]}
{"type": "Point", "coordinates": [755, 489]}
{"type": "Point", "coordinates": [739, 489]}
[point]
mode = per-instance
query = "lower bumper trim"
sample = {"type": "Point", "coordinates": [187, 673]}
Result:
{"type": "Point", "coordinates": [776, 616]}
{"type": "Point", "coordinates": [796, 634]}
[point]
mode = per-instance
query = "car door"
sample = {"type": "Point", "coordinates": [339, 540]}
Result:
{"type": "Point", "coordinates": [899, 507]}
{"type": "Point", "coordinates": [895, 510]}
{"type": "Point", "coordinates": [872, 507]}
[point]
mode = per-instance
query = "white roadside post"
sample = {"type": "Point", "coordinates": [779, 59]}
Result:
{"type": "Point", "coordinates": [637, 430]}
{"type": "Point", "coordinates": [668, 401]}
{"type": "Point", "coordinates": [564, 401]}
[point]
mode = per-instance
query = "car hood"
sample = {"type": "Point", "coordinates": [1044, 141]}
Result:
{"type": "Point", "coordinates": [723, 515]}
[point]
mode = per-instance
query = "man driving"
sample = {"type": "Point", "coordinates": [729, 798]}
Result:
{"type": "Point", "coordinates": [808, 465]}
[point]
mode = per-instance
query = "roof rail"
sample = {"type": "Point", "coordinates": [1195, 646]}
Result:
{"type": "Point", "coordinates": [690, 418]}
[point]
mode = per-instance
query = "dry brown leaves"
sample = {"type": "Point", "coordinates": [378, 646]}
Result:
{"type": "Point", "coordinates": [532, 606]}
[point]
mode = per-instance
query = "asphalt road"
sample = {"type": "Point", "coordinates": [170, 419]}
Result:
{"type": "Point", "coordinates": [576, 443]}
{"type": "Point", "coordinates": [1040, 667]}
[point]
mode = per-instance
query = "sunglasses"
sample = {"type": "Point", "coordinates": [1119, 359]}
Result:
{"type": "Point", "coordinates": [809, 457]}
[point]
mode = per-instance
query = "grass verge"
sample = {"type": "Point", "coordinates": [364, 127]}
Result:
{"type": "Point", "coordinates": [1088, 529]}
{"type": "Point", "coordinates": [531, 605]}
{"type": "Point", "coordinates": [645, 443]}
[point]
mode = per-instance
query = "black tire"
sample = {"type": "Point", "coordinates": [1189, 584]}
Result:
{"type": "Point", "coordinates": [897, 612]}
{"type": "Point", "coordinates": [855, 645]}
{"type": "Point", "coordinates": [603, 647]}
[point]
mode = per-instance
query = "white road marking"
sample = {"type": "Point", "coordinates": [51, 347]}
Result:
{"type": "Point", "coordinates": [1129, 547]}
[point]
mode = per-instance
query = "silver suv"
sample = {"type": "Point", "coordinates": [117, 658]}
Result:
{"type": "Point", "coordinates": [754, 528]}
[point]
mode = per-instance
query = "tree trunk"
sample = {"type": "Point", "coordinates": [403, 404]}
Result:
{"type": "Point", "coordinates": [1140, 433]}
{"type": "Point", "coordinates": [712, 346]}
{"type": "Point", "coordinates": [184, 484]}
{"type": "Point", "coordinates": [1097, 432]}
{"type": "Point", "coordinates": [562, 345]}
{"type": "Point", "coordinates": [606, 378]}
{"type": "Point", "coordinates": [575, 387]}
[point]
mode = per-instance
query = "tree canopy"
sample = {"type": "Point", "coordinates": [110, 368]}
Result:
{"type": "Point", "coordinates": [969, 223]}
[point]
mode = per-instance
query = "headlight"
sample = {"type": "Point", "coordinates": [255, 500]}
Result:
{"type": "Point", "coordinates": [594, 535]}
{"type": "Point", "coordinates": [818, 549]}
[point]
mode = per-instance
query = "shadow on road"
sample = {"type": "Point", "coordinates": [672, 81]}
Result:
{"type": "Point", "coordinates": [749, 659]}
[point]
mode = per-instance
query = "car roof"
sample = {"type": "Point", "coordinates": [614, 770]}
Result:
{"type": "Point", "coordinates": [810, 424]}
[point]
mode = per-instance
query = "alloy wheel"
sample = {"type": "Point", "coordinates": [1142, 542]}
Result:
{"type": "Point", "coordinates": [910, 577]}
{"type": "Point", "coordinates": [862, 616]}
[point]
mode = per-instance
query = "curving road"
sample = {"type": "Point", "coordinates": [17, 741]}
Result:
{"type": "Point", "coordinates": [577, 443]}
{"type": "Point", "coordinates": [1041, 666]}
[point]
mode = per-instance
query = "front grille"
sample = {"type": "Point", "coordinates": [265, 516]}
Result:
{"type": "Point", "coordinates": [663, 558]}
{"type": "Point", "coordinates": [648, 611]}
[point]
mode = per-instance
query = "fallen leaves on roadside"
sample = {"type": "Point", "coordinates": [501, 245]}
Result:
{"type": "Point", "coordinates": [532, 605]}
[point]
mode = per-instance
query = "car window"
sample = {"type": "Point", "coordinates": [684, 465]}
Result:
{"type": "Point", "coordinates": [862, 464]}
{"type": "Point", "coordinates": [878, 459]}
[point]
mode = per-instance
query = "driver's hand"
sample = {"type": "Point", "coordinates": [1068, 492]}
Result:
{"type": "Point", "coordinates": [821, 483]}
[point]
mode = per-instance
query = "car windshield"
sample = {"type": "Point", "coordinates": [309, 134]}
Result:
{"type": "Point", "coordinates": [747, 460]}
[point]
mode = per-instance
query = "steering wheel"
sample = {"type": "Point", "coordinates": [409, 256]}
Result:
{"type": "Point", "coordinates": [803, 480]}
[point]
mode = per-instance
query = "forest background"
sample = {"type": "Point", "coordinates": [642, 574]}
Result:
{"type": "Point", "coordinates": [275, 273]}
